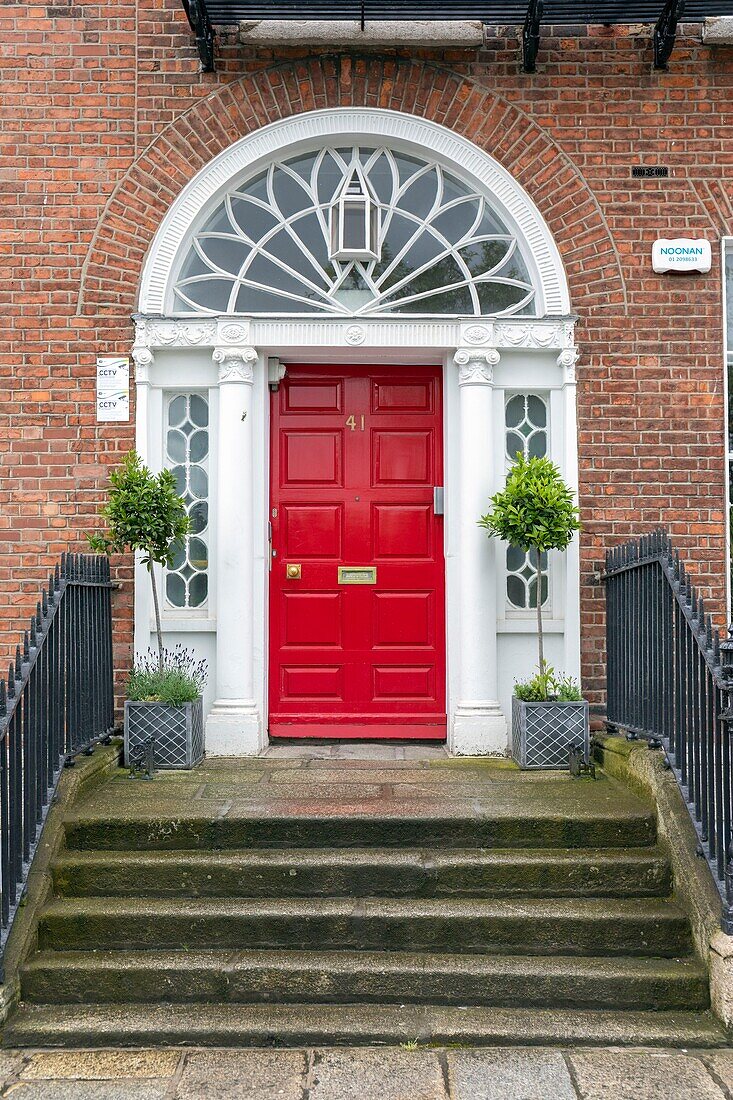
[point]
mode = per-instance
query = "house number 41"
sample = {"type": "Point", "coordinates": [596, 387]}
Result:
{"type": "Point", "coordinates": [351, 422]}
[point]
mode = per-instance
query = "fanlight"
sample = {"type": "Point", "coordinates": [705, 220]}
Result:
{"type": "Point", "coordinates": [354, 231]}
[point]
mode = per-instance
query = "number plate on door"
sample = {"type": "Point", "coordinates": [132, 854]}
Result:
{"type": "Point", "coordinates": [357, 574]}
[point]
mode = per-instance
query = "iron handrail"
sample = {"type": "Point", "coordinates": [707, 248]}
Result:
{"type": "Point", "coordinates": [670, 681]}
{"type": "Point", "coordinates": [57, 701]}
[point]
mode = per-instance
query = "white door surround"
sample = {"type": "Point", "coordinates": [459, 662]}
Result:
{"type": "Point", "coordinates": [483, 359]}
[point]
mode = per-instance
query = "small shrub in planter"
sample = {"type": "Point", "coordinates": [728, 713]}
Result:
{"type": "Point", "coordinates": [549, 717]}
{"type": "Point", "coordinates": [165, 703]}
{"type": "Point", "coordinates": [145, 514]}
{"type": "Point", "coordinates": [536, 511]}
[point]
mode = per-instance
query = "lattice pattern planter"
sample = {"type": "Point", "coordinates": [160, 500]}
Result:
{"type": "Point", "coordinates": [544, 733]}
{"type": "Point", "coordinates": [178, 732]}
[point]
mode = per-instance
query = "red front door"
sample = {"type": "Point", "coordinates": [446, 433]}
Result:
{"type": "Point", "coordinates": [357, 619]}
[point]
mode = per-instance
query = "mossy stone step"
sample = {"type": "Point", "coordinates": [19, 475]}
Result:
{"type": "Point", "coordinates": [353, 1025]}
{"type": "Point", "coordinates": [365, 977]}
{"type": "Point", "coordinates": [365, 872]}
{"type": "Point", "coordinates": [578, 926]}
{"type": "Point", "coordinates": [533, 828]}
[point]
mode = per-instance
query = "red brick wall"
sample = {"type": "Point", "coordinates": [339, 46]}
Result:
{"type": "Point", "coordinates": [106, 116]}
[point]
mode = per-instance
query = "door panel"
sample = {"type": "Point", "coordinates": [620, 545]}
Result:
{"type": "Point", "coordinates": [355, 455]}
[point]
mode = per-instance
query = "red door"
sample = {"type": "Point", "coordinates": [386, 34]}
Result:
{"type": "Point", "coordinates": [357, 586]}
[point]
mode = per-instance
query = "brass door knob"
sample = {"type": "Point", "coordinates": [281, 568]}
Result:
{"type": "Point", "coordinates": [292, 572]}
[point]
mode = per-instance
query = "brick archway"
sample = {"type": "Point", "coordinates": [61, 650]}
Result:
{"type": "Point", "coordinates": [138, 205]}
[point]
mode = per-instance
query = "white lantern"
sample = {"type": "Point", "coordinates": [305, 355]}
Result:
{"type": "Point", "coordinates": [354, 221]}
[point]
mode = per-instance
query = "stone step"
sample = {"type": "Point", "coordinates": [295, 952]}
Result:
{"type": "Point", "coordinates": [364, 977]}
{"type": "Point", "coordinates": [604, 825]}
{"type": "Point", "coordinates": [365, 872]}
{"type": "Point", "coordinates": [577, 926]}
{"type": "Point", "coordinates": [326, 1025]}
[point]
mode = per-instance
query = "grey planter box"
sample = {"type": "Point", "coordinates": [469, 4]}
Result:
{"type": "Point", "coordinates": [544, 733]}
{"type": "Point", "coordinates": [178, 732]}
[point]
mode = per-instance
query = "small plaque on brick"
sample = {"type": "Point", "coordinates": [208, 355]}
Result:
{"type": "Point", "coordinates": [649, 171]}
{"type": "Point", "coordinates": [113, 388]}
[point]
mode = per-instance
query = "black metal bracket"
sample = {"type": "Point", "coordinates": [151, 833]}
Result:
{"type": "Point", "coordinates": [198, 17]}
{"type": "Point", "coordinates": [665, 32]}
{"type": "Point", "coordinates": [531, 35]}
{"type": "Point", "coordinates": [141, 759]}
{"type": "Point", "coordinates": [577, 766]}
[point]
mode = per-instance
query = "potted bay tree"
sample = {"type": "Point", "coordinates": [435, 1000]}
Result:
{"type": "Point", "coordinates": [164, 705]}
{"type": "Point", "coordinates": [536, 512]}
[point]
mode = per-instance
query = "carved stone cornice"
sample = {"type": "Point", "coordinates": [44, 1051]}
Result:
{"type": "Point", "coordinates": [236, 364]}
{"type": "Point", "coordinates": [476, 365]}
{"type": "Point", "coordinates": [549, 333]}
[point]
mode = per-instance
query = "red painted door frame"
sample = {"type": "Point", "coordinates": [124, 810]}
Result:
{"type": "Point", "coordinates": [355, 455]}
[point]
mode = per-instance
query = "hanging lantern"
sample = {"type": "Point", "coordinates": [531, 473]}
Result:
{"type": "Point", "coordinates": [354, 221]}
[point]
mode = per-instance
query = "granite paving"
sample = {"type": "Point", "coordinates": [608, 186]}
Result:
{"type": "Point", "coordinates": [408, 1072]}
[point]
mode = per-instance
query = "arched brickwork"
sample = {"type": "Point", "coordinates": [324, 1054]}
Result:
{"type": "Point", "coordinates": [112, 271]}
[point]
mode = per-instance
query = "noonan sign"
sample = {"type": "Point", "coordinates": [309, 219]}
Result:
{"type": "Point", "coordinates": [682, 254]}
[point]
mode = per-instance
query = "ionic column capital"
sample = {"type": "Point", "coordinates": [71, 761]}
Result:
{"type": "Point", "coordinates": [236, 364]}
{"type": "Point", "coordinates": [476, 365]}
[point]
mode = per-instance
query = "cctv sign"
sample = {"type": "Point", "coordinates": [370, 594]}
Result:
{"type": "Point", "coordinates": [113, 389]}
{"type": "Point", "coordinates": [681, 254]}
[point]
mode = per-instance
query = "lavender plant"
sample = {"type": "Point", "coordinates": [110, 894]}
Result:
{"type": "Point", "coordinates": [171, 676]}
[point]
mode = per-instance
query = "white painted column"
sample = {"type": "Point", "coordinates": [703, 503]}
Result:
{"type": "Point", "coordinates": [143, 358]}
{"type": "Point", "coordinates": [567, 360]}
{"type": "Point", "coordinates": [234, 725]}
{"type": "Point", "coordinates": [479, 726]}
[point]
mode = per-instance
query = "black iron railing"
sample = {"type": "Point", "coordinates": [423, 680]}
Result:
{"type": "Point", "coordinates": [58, 700]}
{"type": "Point", "coordinates": [670, 680]}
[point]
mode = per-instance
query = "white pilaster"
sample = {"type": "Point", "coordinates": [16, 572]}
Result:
{"type": "Point", "coordinates": [479, 726]}
{"type": "Point", "coordinates": [234, 725]}
{"type": "Point", "coordinates": [143, 359]}
{"type": "Point", "coordinates": [567, 360]}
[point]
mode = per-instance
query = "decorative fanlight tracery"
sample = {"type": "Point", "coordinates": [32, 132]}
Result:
{"type": "Point", "coordinates": [354, 231]}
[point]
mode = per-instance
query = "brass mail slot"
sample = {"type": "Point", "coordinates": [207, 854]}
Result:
{"type": "Point", "coordinates": [357, 574]}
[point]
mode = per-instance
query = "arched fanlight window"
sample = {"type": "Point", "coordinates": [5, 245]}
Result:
{"type": "Point", "coordinates": [354, 221]}
{"type": "Point", "coordinates": [354, 231]}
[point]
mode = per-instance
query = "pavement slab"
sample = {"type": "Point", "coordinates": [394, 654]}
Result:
{"type": "Point", "coordinates": [720, 1065]}
{"type": "Point", "coordinates": [101, 1065]}
{"type": "Point", "coordinates": [509, 1075]}
{"type": "Point", "coordinates": [642, 1075]}
{"type": "Point", "coordinates": [385, 1074]}
{"type": "Point", "coordinates": [243, 1075]}
{"type": "Point", "coordinates": [123, 1089]}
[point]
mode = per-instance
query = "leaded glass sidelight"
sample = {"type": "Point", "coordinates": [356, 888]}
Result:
{"type": "Point", "coordinates": [187, 455]}
{"type": "Point", "coordinates": [354, 231]}
{"type": "Point", "coordinates": [525, 432]}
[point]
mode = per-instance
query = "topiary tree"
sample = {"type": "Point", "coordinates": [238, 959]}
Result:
{"type": "Point", "coordinates": [535, 511]}
{"type": "Point", "coordinates": [144, 513]}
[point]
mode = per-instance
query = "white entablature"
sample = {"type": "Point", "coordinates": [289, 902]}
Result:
{"type": "Point", "coordinates": [546, 334]}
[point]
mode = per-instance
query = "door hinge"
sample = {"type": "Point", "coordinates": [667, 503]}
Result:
{"type": "Point", "coordinates": [438, 508]}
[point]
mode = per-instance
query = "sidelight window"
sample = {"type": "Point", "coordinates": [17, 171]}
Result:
{"type": "Point", "coordinates": [354, 231]}
{"type": "Point", "coordinates": [187, 455]}
{"type": "Point", "coordinates": [525, 432]}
